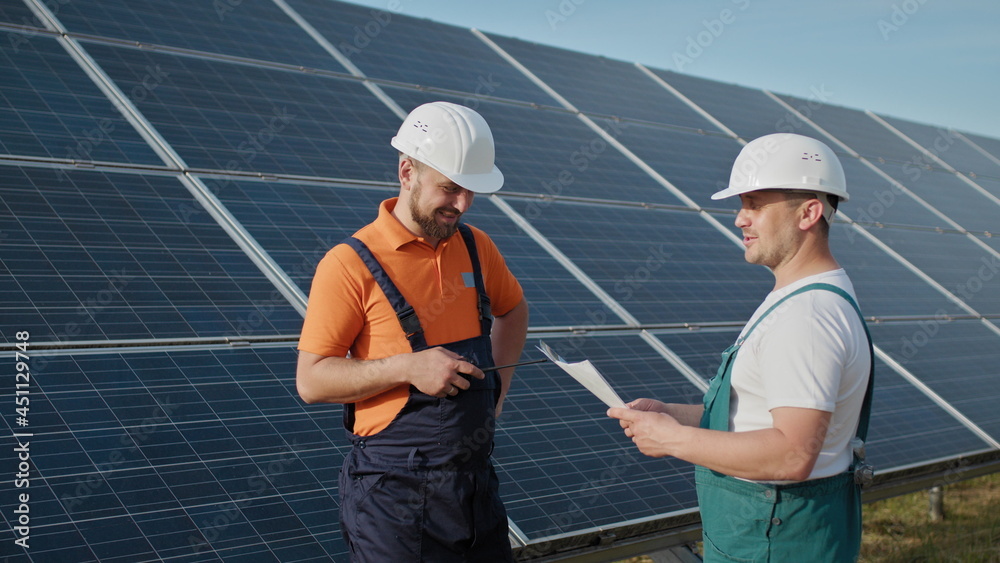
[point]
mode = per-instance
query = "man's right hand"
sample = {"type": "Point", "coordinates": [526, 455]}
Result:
{"type": "Point", "coordinates": [439, 372]}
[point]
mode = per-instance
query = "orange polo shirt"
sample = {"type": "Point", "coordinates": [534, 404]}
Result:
{"type": "Point", "coordinates": [348, 312]}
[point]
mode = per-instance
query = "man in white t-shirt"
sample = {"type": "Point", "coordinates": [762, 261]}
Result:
{"type": "Point", "coordinates": [773, 439]}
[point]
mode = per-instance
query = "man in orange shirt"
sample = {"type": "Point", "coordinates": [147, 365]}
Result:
{"type": "Point", "coordinates": [412, 298]}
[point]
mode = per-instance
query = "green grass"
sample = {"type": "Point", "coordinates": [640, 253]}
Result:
{"type": "Point", "coordinates": [900, 530]}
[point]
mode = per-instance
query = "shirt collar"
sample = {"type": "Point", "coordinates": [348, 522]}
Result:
{"type": "Point", "coordinates": [394, 232]}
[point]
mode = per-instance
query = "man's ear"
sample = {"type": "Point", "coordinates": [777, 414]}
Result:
{"type": "Point", "coordinates": [407, 174]}
{"type": "Point", "coordinates": [810, 213]}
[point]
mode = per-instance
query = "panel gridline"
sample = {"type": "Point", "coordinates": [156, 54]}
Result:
{"type": "Point", "coordinates": [93, 256]}
{"type": "Point", "coordinates": [214, 27]}
{"type": "Point", "coordinates": [50, 108]}
{"type": "Point", "coordinates": [563, 464]}
{"type": "Point", "coordinates": [662, 266]}
{"type": "Point", "coordinates": [551, 153]}
{"type": "Point", "coordinates": [595, 85]}
{"type": "Point", "coordinates": [392, 46]}
{"type": "Point", "coordinates": [229, 116]}
{"type": "Point", "coordinates": [905, 426]}
{"type": "Point", "coordinates": [184, 455]}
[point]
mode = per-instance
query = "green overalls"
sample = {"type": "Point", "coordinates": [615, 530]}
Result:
{"type": "Point", "coordinates": [817, 520]}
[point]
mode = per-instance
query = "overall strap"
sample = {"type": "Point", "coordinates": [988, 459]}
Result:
{"type": "Point", "coordinates": [866, 405]}
{"type": "Point", "coordinates": [404, 311]}
{"type": "Point", "coordinates": [483, 302]}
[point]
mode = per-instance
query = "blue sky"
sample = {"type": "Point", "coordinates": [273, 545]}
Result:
{"type": "Point", "coordinates": [931, 61]}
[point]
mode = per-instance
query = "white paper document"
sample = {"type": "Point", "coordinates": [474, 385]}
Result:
{"type": "Point", "coordinates": [587, 374]}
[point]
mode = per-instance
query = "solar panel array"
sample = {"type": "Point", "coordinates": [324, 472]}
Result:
{"type": "Point", "coordinates": [171, 172]}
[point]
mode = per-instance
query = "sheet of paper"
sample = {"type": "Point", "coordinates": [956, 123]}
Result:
{"type": "Point", "coordinates": [586, 374]}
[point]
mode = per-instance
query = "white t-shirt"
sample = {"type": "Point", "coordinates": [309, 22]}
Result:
{"type": "Point", "coordinates": [811, 352]}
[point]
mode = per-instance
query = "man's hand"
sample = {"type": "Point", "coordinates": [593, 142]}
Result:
{"type": "Point", "coordinates": [653, 432]}
{"type": "Point", "coordinates": [438, 372]}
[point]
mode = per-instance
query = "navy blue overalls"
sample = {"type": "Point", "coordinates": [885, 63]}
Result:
{"type": "Point", "coordinates": [424, 489]}
{"type": "Point", "coordinates": [817, 520]}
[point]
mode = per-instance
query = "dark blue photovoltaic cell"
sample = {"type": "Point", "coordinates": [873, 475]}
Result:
{"type": "Point", "coordinates": [956, 359]}
{"type": "Point", "coordinates": [885, 287]}
{"type": "Point", "coordinates": [954, 261]}
{"type": "Point", "coordinates": [548, 152]}
{"type": "Point", "coordinates": [193, 455]}
{"type": "Point", "coordinates": [564, 465]}
{"type": "Point", "coordinates": [297, 224]}
{"type": "Point", "coordinates": [230, 116]}
{"type": "Point", "coordinates": [859, 131]}
{"type": "Point", "coordinates": [697, 164]}
{"type": "Point", "coordinates": [948, 146]}
{"type": "Point", "coordinates": [662, 266]}
{"type": "Point", "coordinates": [256, 29]}
{"type": "Point", "coordinates": [951, 196]}
{"type": "Point", "coordinates": [603, 86]}
{"type": "Point", "coordinates": [17, 12]}
{"type": "Point", "coordinates": [50, 108]}
{"type": "Point", "coordinates": [392, 46]}
{"type": "Point", "coordinates": [876, 200]}
{"type": "Point", "coordinates": [93, 256]}
{"type": "Point", "coordinates": [906, 426]}
{"type": "Point", "coordinates": [753, 116]}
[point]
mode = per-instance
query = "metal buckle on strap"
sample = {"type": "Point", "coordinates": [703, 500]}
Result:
{"type": "Point", "coordinates": [409, 321]}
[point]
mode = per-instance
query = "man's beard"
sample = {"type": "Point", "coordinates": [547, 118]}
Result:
{"type": "Point", "coordinates": [428, 223]}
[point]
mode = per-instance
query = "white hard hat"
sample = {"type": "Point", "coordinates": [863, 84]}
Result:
{"type": "Point", "coordinates": [455, 141]}
{"type": "Point", "coordinates": [786, 161]}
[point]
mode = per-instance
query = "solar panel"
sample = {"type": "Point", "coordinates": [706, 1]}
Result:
{"type": "Point", "coordinates": [756, 114]}
{"type": "Point", "coordinates": [214, 27]}
{"type": "Point", "coordinates": [196, 454]}
{"type": "Point", "coordinates": [89, 255]}
{"type": "Point", "coordinates": [393, 46]}
{"type": "Point", "coordinates": [695, 163]}
{"type": "Point", "coordinates": [598, 88]}
{"type": "Point", "coordinates": [663, 266]}
{"type": "Point", "coordinates": [230, 117]}
{"type": "Point", "coordinates": [50, 108]}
